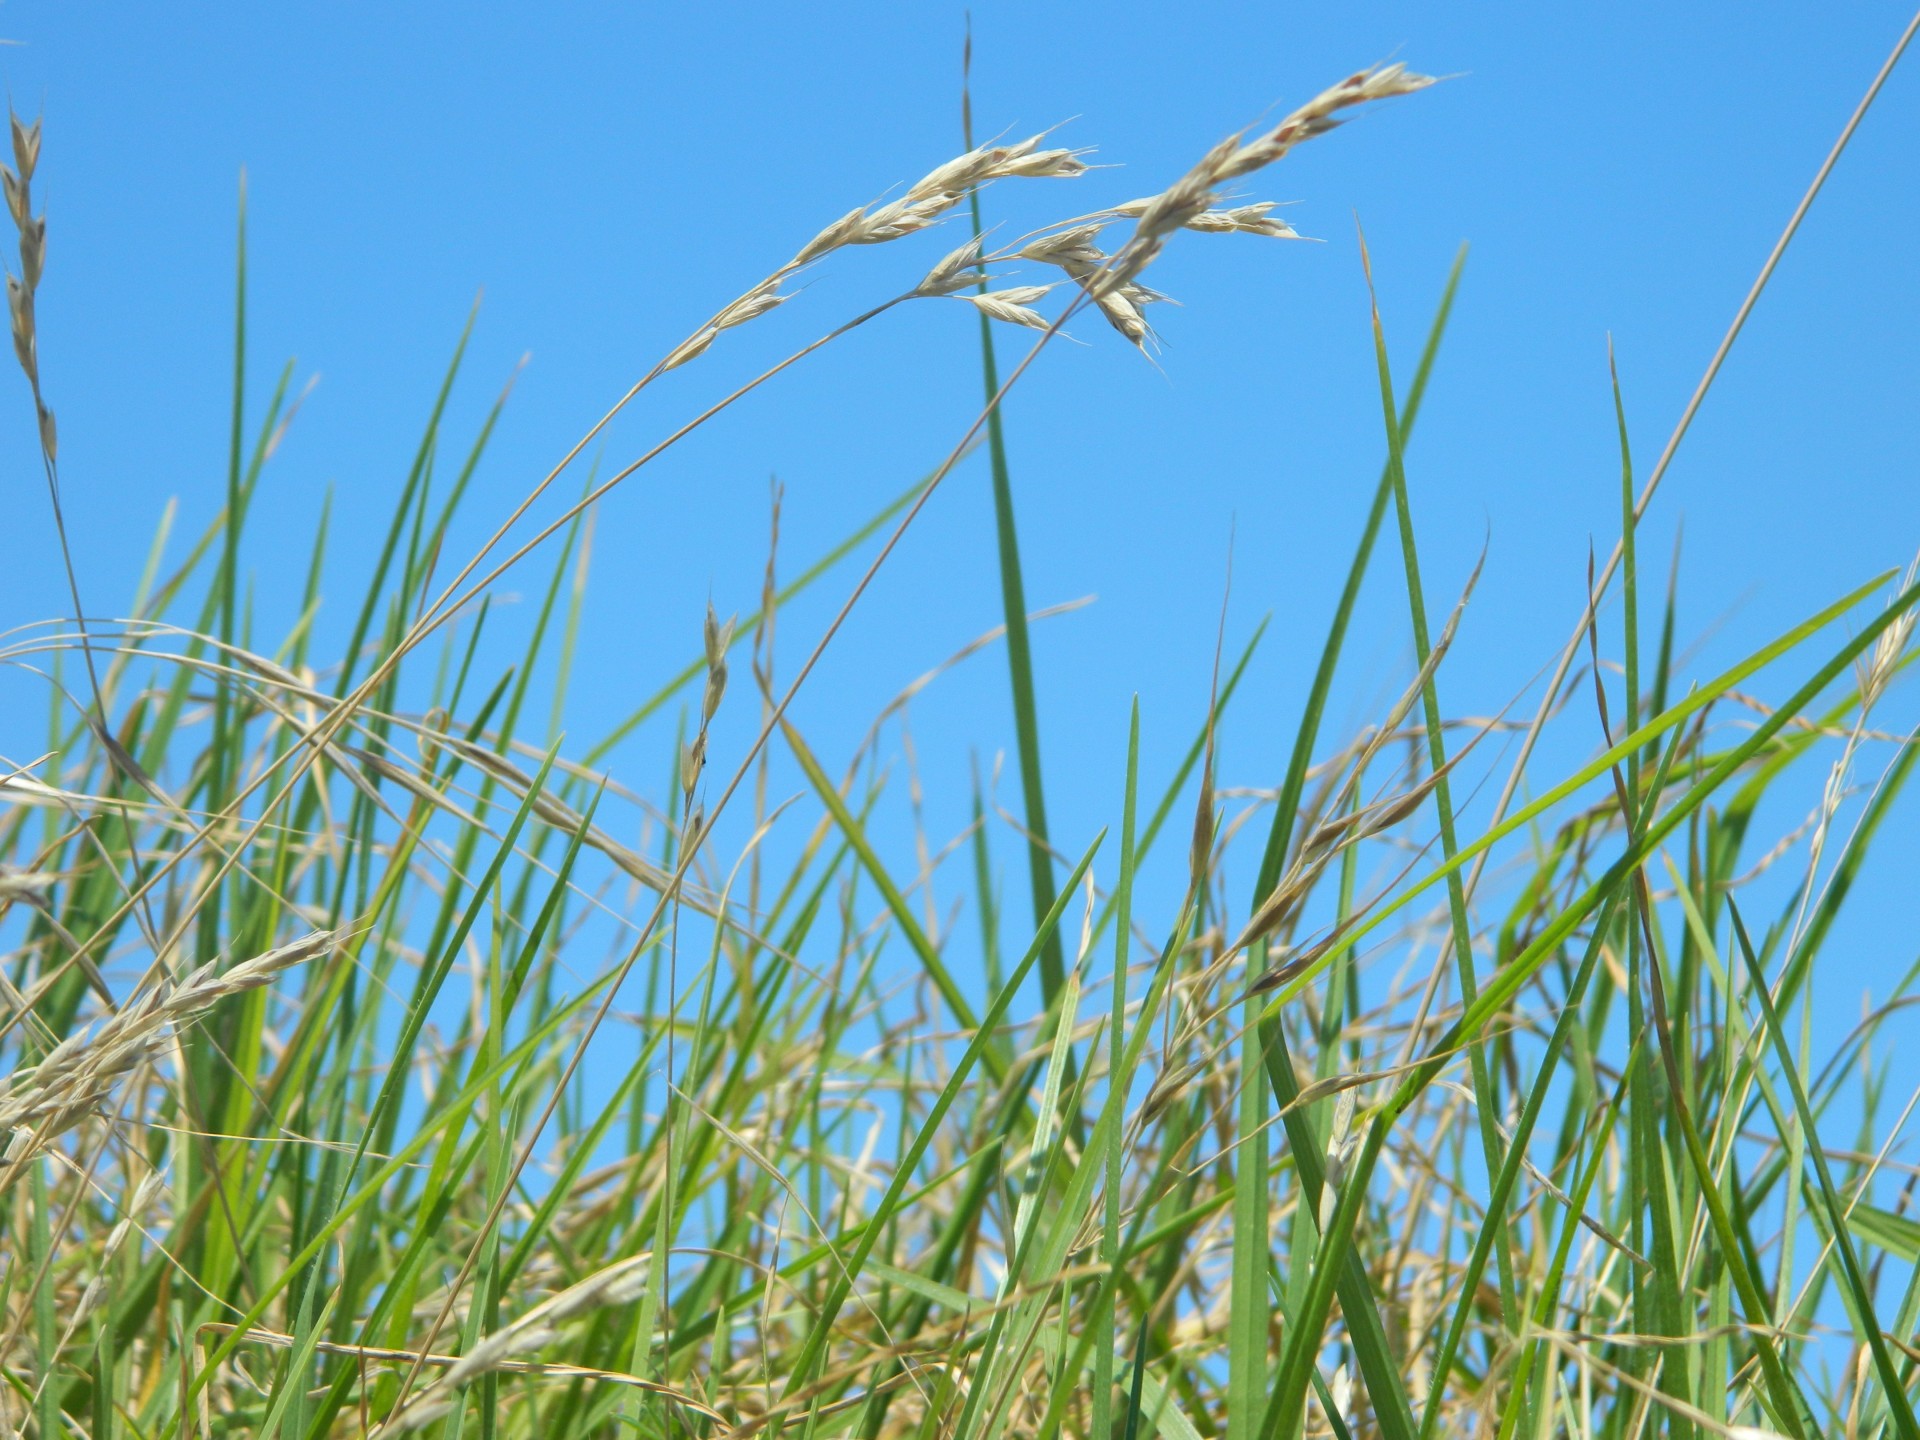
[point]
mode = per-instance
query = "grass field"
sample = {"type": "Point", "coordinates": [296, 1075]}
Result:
{"type": "Point", "coordinates": [377, 1066]}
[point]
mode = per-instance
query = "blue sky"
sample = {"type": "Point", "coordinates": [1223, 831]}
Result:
{"type": "Point", "coordinates": [608, 175]}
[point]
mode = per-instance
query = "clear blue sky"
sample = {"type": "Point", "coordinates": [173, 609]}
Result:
{"type": "Point", "coordinates": [608, 174]}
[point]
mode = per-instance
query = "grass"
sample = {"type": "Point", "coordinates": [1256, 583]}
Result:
{"type": "Point", "coordinates": [363, 1082]}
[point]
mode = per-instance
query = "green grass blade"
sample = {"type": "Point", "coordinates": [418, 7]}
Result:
{"type": "Point", "coordinates": [1013, 600]}
{"type": "Point", "coordinates": [976, 1052]}
{"type": "Point", "coordinates": [1859, 1294]}
{"type": "Point", "coordinates": [1105, 1327]}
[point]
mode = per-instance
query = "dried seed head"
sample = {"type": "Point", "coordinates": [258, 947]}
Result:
{"type": "Point", "coordinates": [1073, 246]}
{"type": "Point", "coordinates": [718, 638]}
{"type": "Point", "coordinates": [839, 233]}
{"type": "Point", "coordinates": [901, 217]}
{"type": "Point", "coordinates": [1124, 316]}
{"type": "Point", "coordinates": [1011, 305]}
{"type": "Point", "coordinates": [1120, 306]}
{"type": "Point", "coordinates": [751, 306]}
{"type": "Point", "coordinates": [417, 1417]}
{"type": "Point", "coordinates": [1192, 195]}
{"type": "Point", "coordinates": [78, 1074]}
{"type": "Point", "coordinates": [690, 349]}
{"type": "Point", "coordinates": [501, 1345]}
{"type": "Point", "coordinates": [26, 146]}
{"type": "Point", "coordinates": [1074, 252]}
{"type": "Point", "coordinates": [1878, 670]}
{"type": "Point", "coordinates": [1244, 220]}
{"type": "Point", "coordinates": [939, 191]}
{"type": "Point", "coordinates": [96, 1290]}
{"type": "Point", "coordinates": [619, 1284]}
{"type": "Point", "coordinates": [20, 306]}
{"type": "Point", "coordinates": [624, 1289]}
{"type": "Point", "coordinates": [1046, 165]}
{"type": "Point", "coordinates": [997, 162]}
{"type": "Point", "coordinates": [1200, 858]}
{"type": "Point", "coordinates": [1021, 294]}
{"type": "Point", "coordinates": [1316, 117]}
{"type": "Point", "coordinates": [963, 172]}
{"type": "Point", "coordinates": [209, 983]}
{"type": "Point", "coordinates": [33, 251]}
{"type": "Point", "coordinates": [954, 272]}
{"type": "Point", "coordinates": [693, 759]}
{"type": "Point", "coordinates": [49, 437]}
{"type": "Point", "coordinates": [19, 202]}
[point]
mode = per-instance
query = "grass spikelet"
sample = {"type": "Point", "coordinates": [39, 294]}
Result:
{"type": "Point", "coordinates": [1012, 305]}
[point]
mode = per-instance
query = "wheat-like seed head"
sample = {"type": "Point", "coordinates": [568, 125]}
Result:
{"type": "Point", "coordinates": [954, 272]}
{"type": "Point", "coordinates": [1254, 219]}
{"type": "Point", "coordinates": [18, 203]}
{"type": "Point", "coordinates": [26, 146]}
{"type": "Point", "coordinates": [1111, 282]}
{"type": "Point", "coordinates": [20, 311]}
{"type": "Point", "coordinates": [751, 306]}
{"type": "Point", "coordinates": [718, 638]}
{"type": "Point", "coordinates": [938, 192]}
{"type": "Point", "coordinates": [1878, 669]}
{"type": "Point", "coordinates": [78, 1075]}
{"type": "Point", "coordinates": [619, 1284]}
{"type": "Point", "coordinates": [693, 759]}
{"type": "Point", "coordinates": [33, 260]}
{"type": "Point", "coordinates": [1190, 197]}
{"type": "Point", "coordinates": [1011, 305]}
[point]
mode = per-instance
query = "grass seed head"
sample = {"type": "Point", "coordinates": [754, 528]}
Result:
{"type": "Point", "coordinates": [751, 306]}
{"type": "Point", "coordinates": [1073, 246]}
{"type": "Point", "coordinates": [1244, 220]}
{"type": "Point", "coordinates": [619, 1284]}
{"type": "Point", "coordinates": [495, 1348]}
{"type": "Point", "coordinates": [417, 1417]}
{"type": "Point", "coordinates": [690, 349]}
{"type": "Point", "coordinates": [77, 1075]}
{"type": "Point", "coordinates": [1200, 856]}
{"type": "Point", "coordinates": [26, 145]}
{"type": "Point", "coordinates": [1011, 305]}
{"type": "Point", "coordinates": [938, 191]}
{"type": "Point", "coordinates": [20, 308]}
{"type": "Point", "coordinates": [954, 272]}
{"type": "Point", "coordinates": [718, 639]}
{"type": "Point", "coordinates": [19, 202]}
{"type": "Point", "coordinates": [33, 251]}
{"type": "Point", "coordinates": [1190, 197]}
{"type": "Point", "coordinates": [839, 233]}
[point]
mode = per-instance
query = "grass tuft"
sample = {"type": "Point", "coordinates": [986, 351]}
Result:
{"type": "Point", "coordinates": [378, 1064]}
